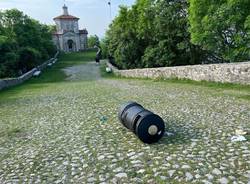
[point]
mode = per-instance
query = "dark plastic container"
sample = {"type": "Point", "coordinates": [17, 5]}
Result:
{"type": "Point", "coordinates": [148, 126]}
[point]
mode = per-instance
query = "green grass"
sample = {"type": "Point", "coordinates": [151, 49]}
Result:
{"type": "Point", "coordinates": [235, 90]}
{"type": "Point", "coordinates": [246, 97]}
{"type": "Point", "coordinates": [207, 84]}
{"type": "Point", "coordinates": [104, 73]}
{"type": "Point", "coordinates": [51, 74]}
{"type": "Point", "coordinates": [74, 58]}
{"type": "Point", "coordinates": [10, 131]}
{"type": "Point", "coordinates": [55, 73]}
{"type": "Point", "coordinates": [215, 85]}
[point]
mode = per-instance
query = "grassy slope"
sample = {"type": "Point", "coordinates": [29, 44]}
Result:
{"type": "Point", "coordinates": [55, 74]}
{"type": "Point", "coordinates": [52, 74]}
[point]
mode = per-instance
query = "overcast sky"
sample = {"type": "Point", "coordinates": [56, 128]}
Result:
{"type": "Point", "coordinates": [94, 14]}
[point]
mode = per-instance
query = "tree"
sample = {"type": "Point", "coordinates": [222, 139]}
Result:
{"type": "Point", "coordinates": [24, 43]}
{"type": "Point", "coordinates": [152, 34]}
{"type": "Point", "coordinates": [130, 34]}
{"type": "Point", "coordinates": [221, 27]}
{"type": "Point", "coordinates": [93, 40]}
{"type": "Point", "coordinates": [171, 44]}
{"type": "Point", "coordinates": [9, 57]}
{"type": "Point", "coordinates": [29, 58]}
{"type": "Point", "coordinates": [103, 45]}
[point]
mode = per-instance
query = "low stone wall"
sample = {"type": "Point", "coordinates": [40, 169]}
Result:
{"type": "Point", "coordinates": [225, 73]}
{"type": "Point", "coordinates": [6, 83]}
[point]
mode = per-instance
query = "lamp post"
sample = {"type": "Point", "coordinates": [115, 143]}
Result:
{"type": "Point", "coordinates": [110, 13]}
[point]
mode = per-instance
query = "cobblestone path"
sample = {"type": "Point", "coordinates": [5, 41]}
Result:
{"type": "Point", "coordinates": [68, 132]}
{"type": "Point", "coordinates": [88, 71]}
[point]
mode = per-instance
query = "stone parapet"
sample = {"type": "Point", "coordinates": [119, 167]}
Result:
{"type": "Point", "coordinates": [224, 73]}
{"type": "Point", "coordinates": [6, 83]}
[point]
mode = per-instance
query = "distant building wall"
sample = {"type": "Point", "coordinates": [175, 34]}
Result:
{"type": "Point", "coordinates": [225, 73]}
{"type": "Point", "coordinates": [83, 41]}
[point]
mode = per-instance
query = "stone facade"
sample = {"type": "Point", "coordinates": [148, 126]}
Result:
{"type": "Point", "coordinates": [225, 73]}
{"type": "Point", "coordinates": [68, 37]}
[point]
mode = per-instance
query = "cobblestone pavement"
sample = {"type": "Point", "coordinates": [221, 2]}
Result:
{"type": "Point", "coordinates": [88, 71]}
{"type": "Point", "coordinates": [68, 132]}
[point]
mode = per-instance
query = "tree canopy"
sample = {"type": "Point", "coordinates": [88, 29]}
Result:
{"type": "Point", "coordinates": [93, 40]}
{"type": "Point", "coordinates": [222, 27]}
{"type": "Point", "coordinates": [152, 34]}
{"type": "Point", "coordinates": [24, 43]}
{"type": "Point", "coordinates": [155, 33]}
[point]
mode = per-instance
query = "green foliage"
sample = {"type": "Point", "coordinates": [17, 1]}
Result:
{"type": "Point", "coordinates": [24, 43]}
{"type": "Point", "coordinates": [93, 40]}
{"type": "Point", "coordinates": [55, 73]}
{"type": "Point", "coordinates": [103, 44]}
{"type": "Point", "coordinates": [155, 33]}
{"type": "Point", "coordinates": [29, 58]}
{"type": "Point", "coordinates": [152, 34]}
{"type": "Point", "coordinates": [9, 57]}
{"type": "Point", "coordinates": [122, 39]}
{"type": "Point", "coordinates": [222, 27]}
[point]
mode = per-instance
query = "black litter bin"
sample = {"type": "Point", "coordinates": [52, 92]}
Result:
{"type": "Point", "coordinates": [148, 126]}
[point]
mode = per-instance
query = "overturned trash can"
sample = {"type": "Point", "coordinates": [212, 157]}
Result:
{"type": "Point", "coordinates": [148, 126]}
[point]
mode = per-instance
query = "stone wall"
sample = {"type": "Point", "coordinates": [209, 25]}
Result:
{"type": "Point", "coordinates": [6, 83]}
{"type": "Point", "coordinates": [225, 73]}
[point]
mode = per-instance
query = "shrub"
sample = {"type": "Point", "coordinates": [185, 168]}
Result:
{"type": "Point", "coordinates": [29, 58]}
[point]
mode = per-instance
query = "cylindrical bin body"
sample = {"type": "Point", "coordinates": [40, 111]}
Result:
{"type": "Point", "coordinates": [148, 126]}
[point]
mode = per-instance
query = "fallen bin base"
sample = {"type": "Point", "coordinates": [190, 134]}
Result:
{"type": "Point", "coordinates": [148, 126]}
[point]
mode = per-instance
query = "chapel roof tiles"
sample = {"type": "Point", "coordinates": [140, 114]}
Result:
{"type": "Point", "coordinates": [83, 31]}
{"type": "Point", "coordinates": [66, 17]}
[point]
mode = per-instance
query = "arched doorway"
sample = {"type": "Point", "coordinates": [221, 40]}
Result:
{"type": "Point", "coordinates": [70, 45]}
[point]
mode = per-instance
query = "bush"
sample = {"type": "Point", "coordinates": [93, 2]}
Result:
{"type": "Point", "coordinates": [104, 48]}
{"type": "Point", "coordinates": [29, 58]}
{"type": "Point", "coordinates": [9, 58]}
{"type": "Point", "coordinates": [8, 65]}
{"type": "Point", "coordinates": [93, 40]}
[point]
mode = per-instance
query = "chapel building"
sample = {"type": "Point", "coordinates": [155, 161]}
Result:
{"type": "Point", "coordinates": [68, 37]}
